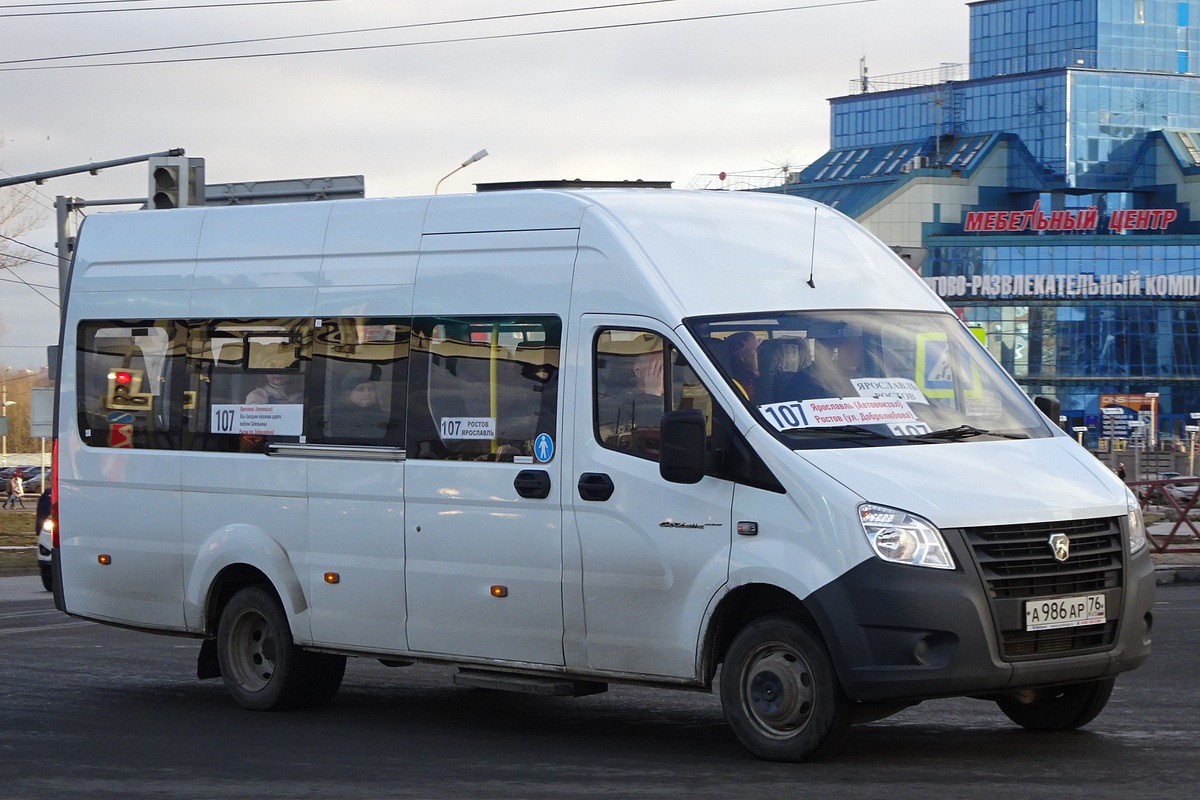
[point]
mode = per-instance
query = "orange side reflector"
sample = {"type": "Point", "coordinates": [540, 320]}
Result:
{"type": "Point", "coordinates": [104, 558]}
{"type": "Point", "coordinates": [499, 591]}
{"type": "Point", "coordinates": [333, 577]}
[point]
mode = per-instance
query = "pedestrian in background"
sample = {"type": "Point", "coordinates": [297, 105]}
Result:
{"type": "Point", "coordinates": [1121, 471]}
{"type": "Point", "coordinates": [16, 492]}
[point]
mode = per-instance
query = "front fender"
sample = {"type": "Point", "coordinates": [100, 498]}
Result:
{"type": "Point", "coordinates": [249, 545]}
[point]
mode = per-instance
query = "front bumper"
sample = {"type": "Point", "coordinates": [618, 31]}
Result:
{"type": "Point", "coordinates": [909, 633]}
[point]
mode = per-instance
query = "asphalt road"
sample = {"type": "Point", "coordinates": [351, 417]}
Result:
{"type": "Point", "coordinates": [95, 712]}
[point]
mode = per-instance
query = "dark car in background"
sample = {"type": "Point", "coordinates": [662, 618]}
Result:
{"type": "Point", "coordinates": [43, 526]}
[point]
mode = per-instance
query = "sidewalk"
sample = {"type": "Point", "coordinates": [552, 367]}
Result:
{"type": "Point", "coordinates": [1173, 567]}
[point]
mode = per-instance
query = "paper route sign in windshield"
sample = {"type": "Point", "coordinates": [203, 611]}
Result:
{"type": "Point", "coordinates": [832, 412]}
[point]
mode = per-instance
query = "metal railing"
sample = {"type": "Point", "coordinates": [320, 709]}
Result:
{"type": "Point", "coordinates": [1179, 494]}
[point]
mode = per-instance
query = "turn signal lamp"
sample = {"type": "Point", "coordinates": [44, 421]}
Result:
{"type": "Point", "coordinates": [499, 591]}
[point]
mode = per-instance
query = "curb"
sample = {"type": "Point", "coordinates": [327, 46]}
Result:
{"type": "Point", "coordinates": [1167, 575]}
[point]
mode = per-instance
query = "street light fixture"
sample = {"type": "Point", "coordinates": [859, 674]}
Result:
{"type": "Point", "coordinates": [480, 155]}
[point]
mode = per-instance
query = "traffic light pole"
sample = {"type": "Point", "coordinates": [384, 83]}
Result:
{"type": "Point", "coordinates": [93, 168]}
{"type": "Point", "coordinates": [65, 244]}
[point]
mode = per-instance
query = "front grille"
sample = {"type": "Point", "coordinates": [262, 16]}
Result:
{"type": "Point", "coordinates": [1018, 564]}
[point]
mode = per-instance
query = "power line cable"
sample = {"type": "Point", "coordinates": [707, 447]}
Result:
{"type": "Point", "coordinates": [10, 257]}
{"type": "Point", "coordinates": [33, 287]}
{"type": "Point", "coordinates": [5, 6]}
{"type": "Point", "coordinates": [347, 32]}
{"type": "Point", "coordinates": [457, 40]}
{"type": "Point", "coordinates": [196, 6]}
{"type": "Point", "coordinates": [27, 283]}
{"type": "Point", "coordinates": [17, 241]}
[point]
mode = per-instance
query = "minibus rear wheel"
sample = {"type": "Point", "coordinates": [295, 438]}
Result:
{"type": "Point", "coordinates": [1059, 708]}
{"type": "Point", "coordinates": [261, 665]}
{"type": "Point", "coordinates": [780, 692]}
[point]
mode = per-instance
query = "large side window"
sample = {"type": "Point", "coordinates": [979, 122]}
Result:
{"type": "Point", "coordinates": [638, 376]}
{"type": "Point", "coordinates": [359, 382]}
{"type": "Point", "coordinates": [248, 382]}
{"type": "Point", "coordinates": [128, 383]}
{"type": "Point", "coordinates": [484, 389]}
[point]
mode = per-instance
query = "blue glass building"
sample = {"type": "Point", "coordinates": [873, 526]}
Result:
{"type": "Point", "coordinates": [1050, 192]}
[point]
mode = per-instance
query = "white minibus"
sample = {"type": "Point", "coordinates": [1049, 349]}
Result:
{"type": "Point", "coordinates": [565, 439]}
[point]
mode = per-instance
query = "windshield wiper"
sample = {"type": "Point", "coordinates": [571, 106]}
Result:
{"type": "Point", "coordinates": [964, 432]}
{"type": "Point", "coordinates": [840, 431]}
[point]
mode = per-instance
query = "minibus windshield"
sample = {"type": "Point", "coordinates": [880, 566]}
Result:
{"type": "Point", "coordinates": [820, 379]}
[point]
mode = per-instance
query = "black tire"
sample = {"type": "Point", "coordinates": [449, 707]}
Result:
{"type": "Point", "coordinates": [1059, 708]}
{"type": "Point", "coordinates": [47, 577]}
{"type": "Point", "coordinates": [780, 692]}
{"type": "Point", "coordinates": [261, 665]}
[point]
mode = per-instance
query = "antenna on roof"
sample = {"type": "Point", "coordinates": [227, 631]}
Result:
{"type": "Point", "coordinates": [862, 74]}
{"type": "Point", "coordinates": [812, 264]}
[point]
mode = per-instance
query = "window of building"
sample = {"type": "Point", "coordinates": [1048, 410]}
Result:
{"type": "Point", "coordinates": [483, 388]}
{"type": "Point", "coordinates": [128, 384]}
{"type": "Point", "coordinates": [639, 376]}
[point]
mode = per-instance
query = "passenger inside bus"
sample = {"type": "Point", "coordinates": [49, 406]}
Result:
{"type": "Point", "coordinates": [836, 359]}
{"type": "Point", "coordinates": [358, 413]}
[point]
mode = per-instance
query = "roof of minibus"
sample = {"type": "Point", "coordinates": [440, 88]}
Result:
{"type": "Point", "coordinates": [696, 253]}
{"type": "Point", "coordinates": [736, 252]}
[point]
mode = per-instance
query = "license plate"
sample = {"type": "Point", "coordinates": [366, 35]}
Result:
{"type": "Point", "coordinates": [1064, 612]}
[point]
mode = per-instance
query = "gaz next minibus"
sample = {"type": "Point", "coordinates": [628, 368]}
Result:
{"type": "Point", "coordinates": [562, 439]}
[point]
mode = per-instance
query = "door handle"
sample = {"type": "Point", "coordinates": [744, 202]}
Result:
{"type": "Point", "coordinates": [595, 486]}
{"type": "Point", "coordinates": [532, 483]}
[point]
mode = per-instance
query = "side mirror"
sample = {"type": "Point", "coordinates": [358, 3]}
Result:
{"type": "Point", "coordinates": [1049, 406]}
{"type": "Point", "coordinates": [682, 446]}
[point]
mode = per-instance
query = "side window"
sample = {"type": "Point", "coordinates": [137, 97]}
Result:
{"type": "Point", "coordinates": [247, 383]}
{"type": "Point", "coordinates": [128, 378]}
{"type": "Point", "coordinates": [359, 382]}
{"type": "Point", "coordinates": [484, 388]}
{"type": "Point", "coordinates": [638, 376]}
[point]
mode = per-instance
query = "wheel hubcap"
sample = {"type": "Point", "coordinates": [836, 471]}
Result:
{"type": "Point", "coordinates": [778, 690]}
{"type": "Point", "coordinates": [253, 651]}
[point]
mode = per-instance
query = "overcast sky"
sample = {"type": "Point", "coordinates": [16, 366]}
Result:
{"type": "Point", "coordinates": [677, 101]}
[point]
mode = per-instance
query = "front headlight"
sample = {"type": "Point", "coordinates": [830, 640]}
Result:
{"type": "Point", "coordinates": [1135, 523]}
{"type": "Point", "coordinates": [904, 538]}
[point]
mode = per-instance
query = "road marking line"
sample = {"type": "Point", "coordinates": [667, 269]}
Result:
{"type": "Point", "coordinates": [10, 631]}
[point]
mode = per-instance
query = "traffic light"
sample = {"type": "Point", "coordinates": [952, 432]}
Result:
{"type": "Point", "coordinates": [124, 390]}
{"type": "Point", "coordinates": [176, 182]}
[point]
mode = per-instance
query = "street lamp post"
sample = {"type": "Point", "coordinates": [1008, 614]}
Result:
{"type": "Point", "coordinates": [1192, 431]}
{"type": "Point", "coordinates": [1135, 426]}
{"type": "Point", "coordinates": [1153, 419]}
{"type": "Point", "coordinates": [4, 404]}
{"type": "Point", "coordinates": [1080, 430]}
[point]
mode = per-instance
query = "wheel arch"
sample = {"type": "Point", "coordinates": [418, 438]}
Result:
{"type": "Point", "coordinates": [739, 608]}
{"type": "Point", "coordinates": [226, 584]}
{"type": "Point", "coordinates": [241, 552]}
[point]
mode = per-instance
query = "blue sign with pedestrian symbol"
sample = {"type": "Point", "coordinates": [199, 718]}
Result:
{"type": "Point", "coordinates": [543, 447]}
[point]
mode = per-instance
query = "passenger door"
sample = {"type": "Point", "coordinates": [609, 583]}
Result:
{"type": "Point", "coordinates": [483, 488]}
{"type": "Point", "coordinates": [654, 553]}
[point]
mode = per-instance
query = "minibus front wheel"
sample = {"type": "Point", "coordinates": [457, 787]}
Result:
{"type": "Point", "coordinates": [261, 665]}
{"type": "Point", "coordinates": [780, 692]}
